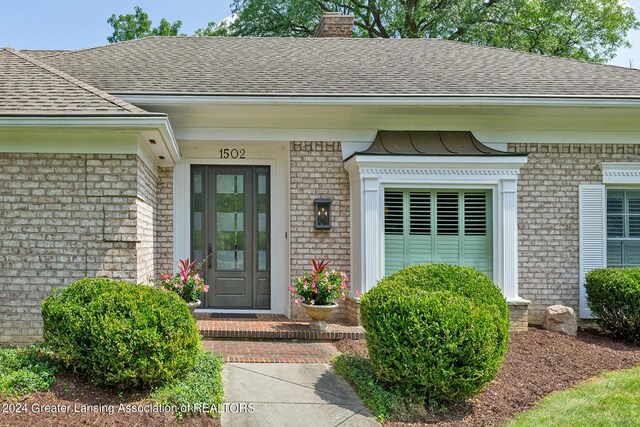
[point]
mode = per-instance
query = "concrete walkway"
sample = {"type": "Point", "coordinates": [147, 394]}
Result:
{"type": "Point", "coordinates": [291, 394]}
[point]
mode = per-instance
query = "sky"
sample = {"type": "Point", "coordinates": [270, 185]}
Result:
{"type": "Point", "coordinates": [75, 24]}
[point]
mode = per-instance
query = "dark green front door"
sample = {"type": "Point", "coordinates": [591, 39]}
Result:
{"type": "Point", "coordinates": [230, 227]}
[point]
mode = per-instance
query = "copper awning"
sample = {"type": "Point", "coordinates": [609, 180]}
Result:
{"type": "Point", "coordinates": [430, 143]}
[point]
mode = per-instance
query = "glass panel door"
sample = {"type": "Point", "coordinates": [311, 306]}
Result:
{"type": "Point", "coordinates": [230, 216]}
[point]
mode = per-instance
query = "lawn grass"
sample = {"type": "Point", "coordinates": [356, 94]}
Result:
{"type": "Point", "coordinates": [26, 370]}
{"type": "Point", "coordinates": [383, 403]}
{"type": "Point", "coordinates": [610, 399]}
{"type": "Point", "coordinates": [201, 386]}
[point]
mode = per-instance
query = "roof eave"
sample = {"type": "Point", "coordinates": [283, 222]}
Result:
{"type": "Point", "coordinates": [380, 99]}
{"type": "Point", "coordinates": [158, 121]}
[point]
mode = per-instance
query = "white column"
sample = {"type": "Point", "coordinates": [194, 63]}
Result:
{"type": "Point", "coordinates": [509, 237]}
{"type": "Point", "coordinates": [371, 269]}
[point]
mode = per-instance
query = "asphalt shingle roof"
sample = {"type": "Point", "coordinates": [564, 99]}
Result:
{"type": "Point", "coordinates": [337, 66]}
{"type": "Point", "coordinates": [28, 86]}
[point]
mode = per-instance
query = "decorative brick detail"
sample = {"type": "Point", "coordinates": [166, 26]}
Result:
{"type": "Point", "coordinates": [519, 316]}
{"type": "Point", "coordinates": [317, 171]}
{"type": "Point", "coordinates": [64, 217]}
{"type": "Point", "coordinates": [548, 221]}
{"type": "Point", "coordinates": [164, 222]}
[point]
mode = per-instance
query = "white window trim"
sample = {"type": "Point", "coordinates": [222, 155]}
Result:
{"type": "Point", "coordinates": [620, 173]}
{"type": "Point", "coordinates": [369, 175]}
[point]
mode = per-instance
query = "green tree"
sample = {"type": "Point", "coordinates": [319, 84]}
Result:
{"type": "Point", "coordinates": [212, 29]}
{"type": "Point", "coordinates": [582, 29]}
{"type": "Point", "coordinates": [138, 25]}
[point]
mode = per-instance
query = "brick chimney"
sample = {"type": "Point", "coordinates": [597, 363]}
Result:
{"type": "Point", "coordinates": [335, 24]}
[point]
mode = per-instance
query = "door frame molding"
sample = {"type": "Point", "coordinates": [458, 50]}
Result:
{"type": "Point", "coordinates": [279, 223]}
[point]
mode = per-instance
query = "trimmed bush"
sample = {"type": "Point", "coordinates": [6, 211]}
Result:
{"type": "Point", "coordinates": [436, 332]}
{"type": "Point", "coordinates": [121, 334]}
{"type": "Point", "coordinates": [613, 294]}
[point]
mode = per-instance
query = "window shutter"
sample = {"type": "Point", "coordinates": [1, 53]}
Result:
{"type": "Point", "coordinates": [477, 239]}
{"type": "Point", "coordinates": [394, 240]}
{"type": "Point", "coordinates": [447, 239]}
{"type": "Point", "coordinates": [593, 215]}
{"type": "Point", "coordinates": [419, 236]}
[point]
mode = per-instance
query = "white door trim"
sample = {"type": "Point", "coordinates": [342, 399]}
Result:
{"type": "Point", "coordinates": [280, 258]}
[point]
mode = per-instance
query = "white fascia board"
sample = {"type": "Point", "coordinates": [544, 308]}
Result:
{"type": "Point", "coordinates": [161, 123]}
{"type": "Point", "coordinates": [384, 100]}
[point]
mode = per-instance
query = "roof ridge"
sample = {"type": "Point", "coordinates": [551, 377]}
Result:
{"type": "Point", "coordinates": [427, 39]}
{"type": "Point", "coordinates": [102, 46]}
{"type": "Point", "coordinates": [79, 83]}
{"type": "Point", "coordinates": [535, 55]}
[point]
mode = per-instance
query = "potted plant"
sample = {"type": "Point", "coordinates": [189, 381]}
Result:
{"type": "Point", "coordinates": [317, 290]}
{"type": "Point", "coordinates": [187, 283]}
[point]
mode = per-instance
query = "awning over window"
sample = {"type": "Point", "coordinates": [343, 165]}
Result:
{"type": "Point", "coordinates": [430, 143]}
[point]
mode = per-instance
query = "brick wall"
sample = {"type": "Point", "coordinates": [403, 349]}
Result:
{"type": "Point", "coordinates": [548, 217]}
{"type": "Point", "coordinates": [62, 217]}
{"type": "Point", "coordinates": [146, 203]}
{"type": "Point", "coordinates": [316, 171]}
{"type": "Point", "coordinates": [164, 222]}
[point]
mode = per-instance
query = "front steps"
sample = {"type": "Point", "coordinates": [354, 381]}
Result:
{"type": "Point", "coordinates": [270, 327]}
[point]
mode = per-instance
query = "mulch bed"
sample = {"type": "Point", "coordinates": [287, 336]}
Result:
{"type": "Point", "coordinates": [75, 394]}
{"type": "Point", "coordinates": [539, 362]}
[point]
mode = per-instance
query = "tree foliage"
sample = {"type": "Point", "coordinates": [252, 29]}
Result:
{"type": "Point", "coordinates": [590, 30]}
{"type": "Point", "coordinates": [582, 29]}
{"type": "Point", "coordinates": [138, 25]}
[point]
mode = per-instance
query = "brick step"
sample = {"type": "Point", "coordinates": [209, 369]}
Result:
{"type": "Point", "coordinates": [273, 329]}
{"type": "Point", "coordinates": [266, 351]}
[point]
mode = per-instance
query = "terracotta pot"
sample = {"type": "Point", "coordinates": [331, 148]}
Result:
{"type": "Point", "coordinates": [192, 307]}
{"type": "Point", "coordinates": [318, 313]}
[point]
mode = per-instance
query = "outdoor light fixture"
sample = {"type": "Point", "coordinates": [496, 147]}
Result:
{"type": "Point", "coordinates": [322, 214]}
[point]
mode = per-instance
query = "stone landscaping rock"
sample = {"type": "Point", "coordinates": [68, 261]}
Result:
{"type": "Point", "coordinates": [559, 318]}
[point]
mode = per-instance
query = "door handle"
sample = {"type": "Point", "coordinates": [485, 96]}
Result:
{"type": "Point", "coordinates": [209, 251]}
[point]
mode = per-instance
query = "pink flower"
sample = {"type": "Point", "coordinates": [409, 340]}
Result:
{"type": "Point", "coordinates": [206, 288]}
{"type": "Point", "coordinates": [358, 294]}
{"type": "Point", "coordinates": [297, 301]}
{"type": "Point", "coordinates": [329, 287]}
{"type": "Point", "coordinates": [313, 285]}
{"type": "Point", "coordinates": [313, 302]}
{"type": "Point", "coordinates": [177, 286]}
{"type": "Point", "coordinates": [294, 291]}
{"type": "Point", "coordinates": [290, 288]}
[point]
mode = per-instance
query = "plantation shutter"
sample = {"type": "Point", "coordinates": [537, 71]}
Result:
{"type": "Point", "coordinates": [444, 226]}
{"type": "Point", "coordinates": [477, 232]}
{"type": "Point", "coordinates": [394, 240]}
{"type": "Point", "coordinates": [593, 214]}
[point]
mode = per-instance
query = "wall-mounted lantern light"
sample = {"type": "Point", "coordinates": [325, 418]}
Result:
{"type": "Point", "coordinates": [322, 214]}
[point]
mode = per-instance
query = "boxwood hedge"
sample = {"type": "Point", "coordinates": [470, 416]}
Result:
{"type": "Point", "coordinates": [613, 294]}
{"type": "Point", "coordinates": [121, 334]}
{"type": "Point", "coordinates": [436, 332]}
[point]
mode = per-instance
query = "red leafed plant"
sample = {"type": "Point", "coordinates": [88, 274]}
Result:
{"type": "Point", "coordinates": [320, 286]}
{"type": "Point", "coordinates": [187, 283]}
{"type": "Point", "coordinates": [318, 266]}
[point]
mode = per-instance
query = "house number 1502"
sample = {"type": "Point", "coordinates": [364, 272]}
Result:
{"type": "Point", "coordinates": [232, 153]}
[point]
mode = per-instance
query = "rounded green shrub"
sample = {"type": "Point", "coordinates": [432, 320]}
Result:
{"type": "Point", "coordinates": [436, 332]}
{"type": "Point", "coordinates": [121, 334]}
{"type": "Point", "coordinates": [613, 294]}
